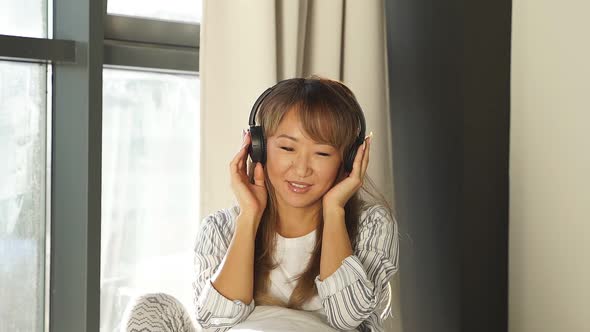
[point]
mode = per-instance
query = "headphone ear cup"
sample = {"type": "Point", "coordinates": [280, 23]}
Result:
{"type": "Point", "coordinates": [257, 148]}
{"type": "Point", "coordinates": [349, 159]}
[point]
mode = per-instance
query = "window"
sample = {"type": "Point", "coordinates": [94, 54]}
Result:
{"type": "Point", "coordinates": [172, 10]}
{"type": "Point", "coordinates": [124, 170]}
{"type": "Point", "coordinates": [23, 173]}
{"type": "Point", "coordinates": [22, 195]}
{"type": "Point", "coordinates": [150, 152]}
{"type": "Point", "coordinates": [27, 18]}
{"type": "Point", "coordinates": [150, 187]}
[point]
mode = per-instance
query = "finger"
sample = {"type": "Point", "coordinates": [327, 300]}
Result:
{"type": "Point", "coordinates": [365, 162]}
{"type": "Point", "coordinates": [243, 137]}
{"type": "Point", "coordinates": [247, 140]}
{"type": "Point", "coordinates": [356, 165]}
{"type": "Point", "coordinates": [259, 175]}
{"type": "Point", "coordinates": [238, 160]}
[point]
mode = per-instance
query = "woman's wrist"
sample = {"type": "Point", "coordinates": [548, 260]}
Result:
{"type": "Point", "coordinates": [332, 212]}
{"type": "Point", "coordinates": [248, 220]}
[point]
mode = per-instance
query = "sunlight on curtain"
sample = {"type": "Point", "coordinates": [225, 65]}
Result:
{"type": "Point", "coordinates": [150, 187]}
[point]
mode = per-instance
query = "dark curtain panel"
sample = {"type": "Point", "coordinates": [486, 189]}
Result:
{"type": "Point", "coordinates": [449, 74]}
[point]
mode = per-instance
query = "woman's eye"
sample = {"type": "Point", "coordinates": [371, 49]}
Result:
{"type": "Point", "coordinates": [323, 154]}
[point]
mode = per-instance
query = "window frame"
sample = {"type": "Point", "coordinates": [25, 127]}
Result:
{"type": "Point", "coordinates": [30, 49]}
{"type": "Point", "coordinates": [151, 44]}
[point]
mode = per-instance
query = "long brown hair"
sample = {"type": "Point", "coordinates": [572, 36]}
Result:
{"type": "Point", "coordinates": [329, 115]}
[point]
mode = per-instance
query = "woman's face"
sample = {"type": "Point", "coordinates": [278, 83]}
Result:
{"type": "Point", "coordinates": [300, 170]}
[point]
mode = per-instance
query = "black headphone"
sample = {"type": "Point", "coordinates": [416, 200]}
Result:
{"type": "Point", "coordinates": [257, 149]}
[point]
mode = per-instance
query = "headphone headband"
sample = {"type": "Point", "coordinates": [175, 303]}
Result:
{"type": "Point", "coordinates": [252, 119]}
{"type": "Point", "coordinates": [254, 111]}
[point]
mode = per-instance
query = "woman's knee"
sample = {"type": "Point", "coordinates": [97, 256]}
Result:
{"type": "Point", "coordinates": [156, 312]}
{"type": "Point", "coordinates": [156, 301]}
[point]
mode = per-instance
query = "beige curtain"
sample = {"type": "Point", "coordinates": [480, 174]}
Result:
{"type": "Point", "coordinates": [249, 45]}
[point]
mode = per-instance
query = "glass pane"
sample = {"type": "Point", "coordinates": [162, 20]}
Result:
{"type": "Point", "coordinates": [22, 195]}
{"type": "Point", "coordinates": [171, 10]}
{"type": "Point", "coordinates": [150, 187]}
{"type": "Point", "coordinates": [25, 18]}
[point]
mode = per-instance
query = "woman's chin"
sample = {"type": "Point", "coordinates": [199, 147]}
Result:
{"type": "Point", "coordinates": [299, 201]}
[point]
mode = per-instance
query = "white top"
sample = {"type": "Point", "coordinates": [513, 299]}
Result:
{"type": "Point", "coordinates": [293, 255]}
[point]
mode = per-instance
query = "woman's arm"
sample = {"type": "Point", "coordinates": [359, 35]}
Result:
{"type": "Point", "coordinates": [218, 251]}
{"type": "Point", "coordinates": [335, 242]}
{"type": "Point", "coordinates": [351, 294]}
{"type": "Point", "coordinates": [235, 277]}
{"type": "Point", "coordinates": [224, 254]}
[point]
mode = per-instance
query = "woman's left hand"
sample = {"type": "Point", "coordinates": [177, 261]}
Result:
{"type": "Point", "coordinates": [345, 189]}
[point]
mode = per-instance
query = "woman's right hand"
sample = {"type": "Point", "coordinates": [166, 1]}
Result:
{"type": "Point", "coordinates": [252, 197]}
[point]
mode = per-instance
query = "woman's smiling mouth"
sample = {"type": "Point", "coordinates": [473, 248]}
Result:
{"type": "Point", "coordinates": [298, 187]}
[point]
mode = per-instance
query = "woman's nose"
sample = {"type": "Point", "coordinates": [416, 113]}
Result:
{"type": "Point", "coordinates": [301, 165]}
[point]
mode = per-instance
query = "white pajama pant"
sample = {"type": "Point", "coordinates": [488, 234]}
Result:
{"type": "Point", "coordinates": [157, 313]}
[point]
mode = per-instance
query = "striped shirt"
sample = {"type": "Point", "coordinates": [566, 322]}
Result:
{"type": "Point", "coordinates": [350, 296]}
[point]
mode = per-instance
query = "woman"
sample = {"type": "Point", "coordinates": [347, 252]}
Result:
{"type": "Point", "coordinates": [300, 237]}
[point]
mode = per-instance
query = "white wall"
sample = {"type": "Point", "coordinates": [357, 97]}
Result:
{"type": "Point", "coordinates": [549, 269]}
